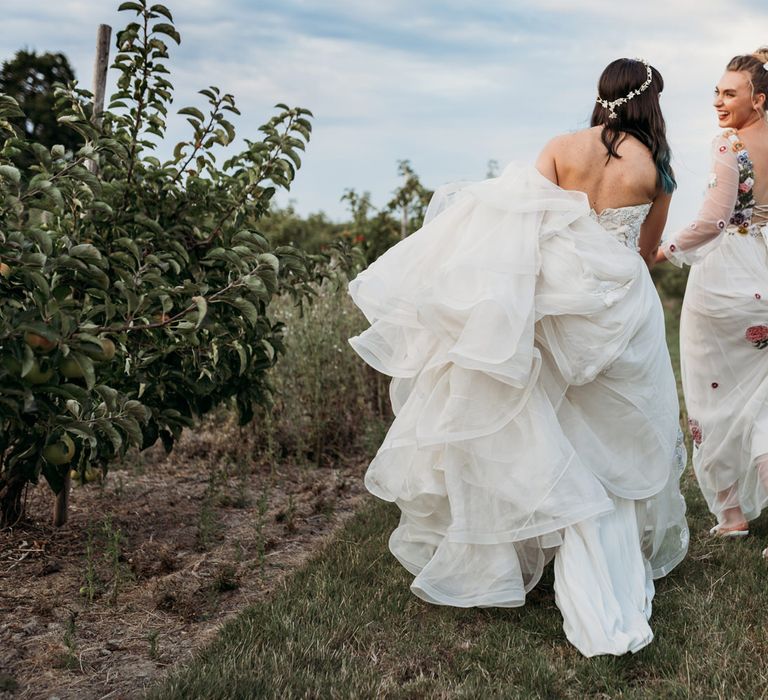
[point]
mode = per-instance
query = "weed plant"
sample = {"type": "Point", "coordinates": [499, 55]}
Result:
{"type": "Point", "coordinates": [329, 405]}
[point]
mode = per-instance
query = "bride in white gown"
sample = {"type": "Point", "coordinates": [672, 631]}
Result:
{"type": "Point", "coordinates": [536, 409]}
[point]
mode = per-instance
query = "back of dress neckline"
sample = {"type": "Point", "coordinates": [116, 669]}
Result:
{"type": "Point", "coordinates": [628, 206]}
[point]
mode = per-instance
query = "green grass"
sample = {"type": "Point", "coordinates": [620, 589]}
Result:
{"type": "Point", "coordinates": [346, 626]}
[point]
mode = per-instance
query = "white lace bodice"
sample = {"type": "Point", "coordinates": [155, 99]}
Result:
{"type": "Point", "coordinates": [623, 222]}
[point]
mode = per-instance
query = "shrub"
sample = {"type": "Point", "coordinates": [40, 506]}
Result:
{"type": "Point", "coordinates": [135, 292]}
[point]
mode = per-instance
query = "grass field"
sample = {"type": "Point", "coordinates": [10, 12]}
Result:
{"type": "Point", "coordinates": [346, 626]}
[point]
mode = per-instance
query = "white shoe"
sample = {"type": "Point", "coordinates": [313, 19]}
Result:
{"type": "Point", "coordinates": [740, 530]}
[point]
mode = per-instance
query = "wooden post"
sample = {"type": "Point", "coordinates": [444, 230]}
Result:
{"type": "Point", "coordinates": [100, 65]}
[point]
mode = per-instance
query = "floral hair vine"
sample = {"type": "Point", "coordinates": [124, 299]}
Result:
{"type": "Point", "coordinates": [611, 105]}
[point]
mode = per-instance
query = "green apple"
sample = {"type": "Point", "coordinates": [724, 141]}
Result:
{"type": "Point", "coordinates": [106, 353]}
{"type": "Point", "coordinates": [60, 452]}
{"type": "Point", "coordinates": [70, 369]}
{"type": "Point", "coordinates": [36, 374]}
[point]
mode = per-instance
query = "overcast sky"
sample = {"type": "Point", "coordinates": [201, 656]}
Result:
{"type": "Point", "coordinates": [449, 85]}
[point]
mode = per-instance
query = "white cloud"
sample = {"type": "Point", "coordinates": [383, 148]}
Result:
{"type": "Point", "coordinates": [442, 83]}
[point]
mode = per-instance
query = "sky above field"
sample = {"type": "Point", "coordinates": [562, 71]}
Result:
{"type": "Point", "coordinates": [448, 85]}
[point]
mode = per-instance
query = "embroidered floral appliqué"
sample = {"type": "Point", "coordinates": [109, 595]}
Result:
{"type": "Point", "coordinates": [741, 220]}
{"type": "Point", "coordinates": [758, 336]}
{"type": "Point", "coordinates": [695, 429]}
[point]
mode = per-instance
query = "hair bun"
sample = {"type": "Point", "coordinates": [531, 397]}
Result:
{"type": "Point", "coordinates": [755, 64]}
{"type": "Point", "coordinates": [761, 54]}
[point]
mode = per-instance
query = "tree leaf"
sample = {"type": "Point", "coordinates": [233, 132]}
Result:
{"type": "Point", "coordinates": [54, 476]}
{"type": "Point", "coordinates": [86, 365]}
{"type": "Point", "coordinates": [240, 350]}
{"type": "Point", "coordinates": [10, 173]}
{"type": "Point", "coordinates": [87, 252]}
{"type": "Point", "coordinates": [114, 436]}
{"type": "Point", "coordinates": [132, 429]}
{"type": "Point", "coordinates": [247, 309]}
{"type": "Point", "coordinates": [202, 309]}
{"type": "Point", "coordinates": [161, 10]}
{"type": "Point", "coordinates": [168, 30]}
{"type": "Point", "coordinates": [130, 6]}
{"type": "Point", "coordinates": [193, 112]}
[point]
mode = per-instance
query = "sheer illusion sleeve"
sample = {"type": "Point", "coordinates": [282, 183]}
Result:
{"type": "Point", "coordinates": [695, 241]}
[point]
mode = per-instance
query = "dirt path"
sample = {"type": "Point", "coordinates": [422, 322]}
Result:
{"type": "Point", "coordinates": [153, 560]}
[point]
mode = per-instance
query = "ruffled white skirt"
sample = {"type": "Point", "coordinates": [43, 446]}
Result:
{"type": "Point", "coordinates": [724, 351]}
{"type": "Point", "coordinates": [536, 413]}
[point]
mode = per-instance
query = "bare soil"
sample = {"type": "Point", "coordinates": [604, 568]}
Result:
{"type": "Point", "coordinates": [154, 559]}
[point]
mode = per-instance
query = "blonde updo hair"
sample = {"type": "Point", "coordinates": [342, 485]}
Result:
{"type": "Point", "coordinates": [753, 64]}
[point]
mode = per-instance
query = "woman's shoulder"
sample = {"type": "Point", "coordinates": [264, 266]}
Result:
{"type": "Point", "coordinates": [572, 140]}
{"type": "Point", "coordinates": [727, 142]}
{"type": "Point", "coordinates": [727, 135]}
{"type": "Point", "coordinates": [591, 133]}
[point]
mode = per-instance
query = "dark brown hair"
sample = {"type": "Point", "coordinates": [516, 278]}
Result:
{"type": "Point", "coordinates": [640, 116]}
{"type": "Point", "coordinates": [753, 65]}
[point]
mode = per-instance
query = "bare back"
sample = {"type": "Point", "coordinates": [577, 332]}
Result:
{"type": "Point", "coordinates": [579, 162]}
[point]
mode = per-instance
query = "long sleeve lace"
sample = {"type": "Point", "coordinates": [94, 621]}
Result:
{"type": "Point", "coordinates": [695, 241]}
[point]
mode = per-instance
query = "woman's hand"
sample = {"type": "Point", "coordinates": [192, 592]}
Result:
{"type": "Point", "coordinates": [660, 257]}
{"type": "Point", "coordinates": [653, 227]}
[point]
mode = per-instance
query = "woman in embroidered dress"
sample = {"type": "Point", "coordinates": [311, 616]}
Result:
{"type": "Point", "coordinates": [536, 409]}
{"type": "Point", "coordinates": [724, 322]}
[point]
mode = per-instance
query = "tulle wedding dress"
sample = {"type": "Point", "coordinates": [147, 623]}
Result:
{"type": "Point", "coordinates": [536, 414]}
{"type": "Point", "coordinates": [724, 334]}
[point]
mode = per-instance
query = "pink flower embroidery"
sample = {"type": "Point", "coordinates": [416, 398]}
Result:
{"type": "Point", "coordinates": [695, 428]}
{"type": "Point", "coordinates": [723, 149]}
{"type": "Point", "coordinates": [721, 224]}
{"type": "Point", "coordinates": [744, 187]}
{"type": "Point", "coordinates": [757, 335]}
